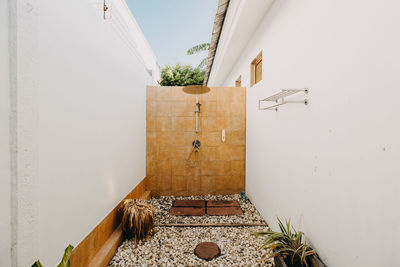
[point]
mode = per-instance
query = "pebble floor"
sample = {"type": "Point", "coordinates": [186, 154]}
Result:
{"type": "Point", "coordinates": [174, 246]}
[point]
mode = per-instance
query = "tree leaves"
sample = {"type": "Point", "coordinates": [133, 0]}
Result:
{"type": "Point", "coordinates": [198, 48]}
{"type": "Point", "coordinates": [179, 75]}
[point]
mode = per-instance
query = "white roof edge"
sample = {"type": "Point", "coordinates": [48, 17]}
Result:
{"type": "Point", "coordinates": [241, 21]}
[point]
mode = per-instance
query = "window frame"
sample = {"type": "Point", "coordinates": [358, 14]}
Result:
{"type": "Point", "coordinates": [238, 82]}
{"type": "Point", "coordinates": [254, 79]}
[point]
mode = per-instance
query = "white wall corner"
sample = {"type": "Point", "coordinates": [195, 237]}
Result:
{"type": "Point", "coordinates": [23, 30]}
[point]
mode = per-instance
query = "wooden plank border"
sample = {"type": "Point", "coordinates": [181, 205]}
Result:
{"type": "Point", "coordinates": [99, 246]}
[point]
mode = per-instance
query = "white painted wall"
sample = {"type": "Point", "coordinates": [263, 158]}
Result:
{"type": "Point", "coordinates": [332, 165]}
{"type": "Point", "coordinates": [5, 179]}
{"type": "Point", "coordinates": [80, 97]}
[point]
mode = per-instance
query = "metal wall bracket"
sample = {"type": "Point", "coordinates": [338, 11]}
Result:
{"type": "Point", "coordinates": [279, 99]}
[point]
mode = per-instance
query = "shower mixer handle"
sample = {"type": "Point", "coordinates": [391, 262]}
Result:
{"type": "Point", "coordinates": [196, 144]}
{"type": "Point", "coordinates": [198, 104]}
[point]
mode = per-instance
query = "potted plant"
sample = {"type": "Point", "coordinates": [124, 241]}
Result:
{"type": "Point", "coordinates": [289, 247]}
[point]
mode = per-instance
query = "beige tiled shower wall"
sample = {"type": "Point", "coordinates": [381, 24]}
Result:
{"type": "Point", "coordinates": [220, 168]}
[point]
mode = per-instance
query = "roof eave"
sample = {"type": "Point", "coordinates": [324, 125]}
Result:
{"type": "Point", "coordinates": [216, 33]}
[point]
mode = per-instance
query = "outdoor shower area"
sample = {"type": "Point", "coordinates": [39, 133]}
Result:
{"type": "Point", "coordinates": [195, 140]}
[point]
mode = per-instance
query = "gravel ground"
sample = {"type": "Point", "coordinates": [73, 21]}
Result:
{"type": "Point", "coordinates": [174, 246]}
{"type": "Point", "coordinates": [163, 204]}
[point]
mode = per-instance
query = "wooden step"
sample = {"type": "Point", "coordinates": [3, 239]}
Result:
{"type": "Point", "coordinates": [146, 195]}
{"type": "Point", "coordinates": [107, 251]}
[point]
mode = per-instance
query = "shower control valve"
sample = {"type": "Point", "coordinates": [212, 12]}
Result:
{"type": "Point", "coordinates": [196, 144]}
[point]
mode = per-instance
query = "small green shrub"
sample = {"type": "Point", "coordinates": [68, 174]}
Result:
{"type": "Point", "coordinates": [289, 244]}
{"type": "Point", "coordinates": [179, 75]}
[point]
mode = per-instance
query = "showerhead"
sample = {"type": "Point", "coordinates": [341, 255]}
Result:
{"type": "Point", "coordinates": [196, 89]}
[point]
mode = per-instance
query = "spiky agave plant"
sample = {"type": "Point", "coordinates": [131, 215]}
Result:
{"type": "Point", "coordinates": [288, 243]}
{"type": "Point", "coordinates": [137, 219]}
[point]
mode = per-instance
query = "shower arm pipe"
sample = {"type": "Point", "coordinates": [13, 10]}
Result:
{"type": "Point", "coordinates": [197, 115]}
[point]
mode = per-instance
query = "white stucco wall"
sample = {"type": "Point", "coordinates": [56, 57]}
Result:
{"type": "Point", "coordinates": [332, 166]}
{"type": "Point", "coordinates": [80, 101]}
{"type": "Point", "coordinates": [5, 180]}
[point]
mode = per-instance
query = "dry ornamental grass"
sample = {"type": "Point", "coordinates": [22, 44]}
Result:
{"type": "Point", "coordinates": [137, 219]}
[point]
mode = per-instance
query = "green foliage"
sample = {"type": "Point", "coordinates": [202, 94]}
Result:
{"type": "Point", "coordinates": [37, 264]}
{"type": "Point", "coordinates": [179, 75]}
{"type": "Point", "coordinates": [200, 48]}
{"type": "Point", "coordinates": [64, 262]}
{"type": "Point", "coordinates": [288, 243]}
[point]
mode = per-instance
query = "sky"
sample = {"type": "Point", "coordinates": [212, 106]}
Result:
{"type": "Point", "coordinates": [173, 26]}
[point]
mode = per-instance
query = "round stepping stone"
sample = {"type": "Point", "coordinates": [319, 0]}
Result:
{"type": "Point", "coordinates": [207, 251]}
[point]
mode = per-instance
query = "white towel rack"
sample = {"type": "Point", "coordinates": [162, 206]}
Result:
{"type": "Point", "coordinates": [281, 96]}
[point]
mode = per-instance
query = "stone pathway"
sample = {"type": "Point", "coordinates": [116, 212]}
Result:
{"type": "Point", "coordinates": [175, 246]}
{"type": "Point", "coordinates": [163, 205]}
{"type": "Point", "coordinates": [204, 207]}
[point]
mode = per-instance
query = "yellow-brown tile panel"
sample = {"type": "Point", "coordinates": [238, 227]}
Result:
{"type": "Point", "coordinates": [164, 93]}
{"type": "Point", "coordinates": [237, 167]}
{"type": "Point", "coordinates": [163, 124]}
{"type": "Point", "coordinates": [237, 123]}
{"type": "Point", "coordinates": [237, 183]}
{"type": "Point", "coordinates": [151, 168]}
{"type": "Point", "coordinates": [223, 168]}
{"type": "Point", "coordinates": [211, 138]}
{"type": "Point", "coordinates": [209, 124]}
{"type": "Point", "coordinates": [224, 152]}
{"type": "Point", "coordinates": [151, 109]}
{"type": "Point", "coordinates": [223, 183]}
{"type": "Point", "coordinates": [180, 153]}
{"type": "Point", "coordinates": [164, 167]}
{"type": "Point", "coordinates": [182, 108]}
{"type": "Point", "coordinates": [238, 152]}
{"type": "Point", "coordinates": [164, 183]}
{"type": "Point", "coordinates": [208, 108]}
{"type": "Point", "coordinates": [151, 124]}
{"type": "Point", "coordinates": [208, 167]}
{"type": "Point", "coordinates": [237, 137]}
{"type": "Point", "coordinates": [152, 183]}
{"type": "Point", "coordinates": [170, 132]}
{"type": "Point", "coordinates": [183, 168]}
{"type": "Point", "coordinates": [207, 184]}
{"type": "Point", "coordinates": [194, 185]}
{"type": "Point", "coordinates": [164, 138]}
{"type": "Point", "coordinates": [184, 124]}
{"type": "Point", "coordinates": [210, 96]}
{"type": "Point", "coordinates": [152, 92]}
{"type": "Point", "coordinates": [182, 138]}
{"type": "Point", "coordinates": [179, 184]}
{"type": "Point", "coordinates": [163, 153]}
{"type": "Point", "coordinates": [209, 153]}
{"type": "Point", "coordinates": [177, 94]}
{"type": "Point", "coordinates": [163, 108]}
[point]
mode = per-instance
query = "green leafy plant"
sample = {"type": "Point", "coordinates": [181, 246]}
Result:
{"type": "Point", "coordinates": [179, 75]}
{"type": "Point", "coordinates": [289, 244]}
{"type": "Point", "coordinates": [65, 260]}
{"type": "Point", "coordinates": [197, 49]}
